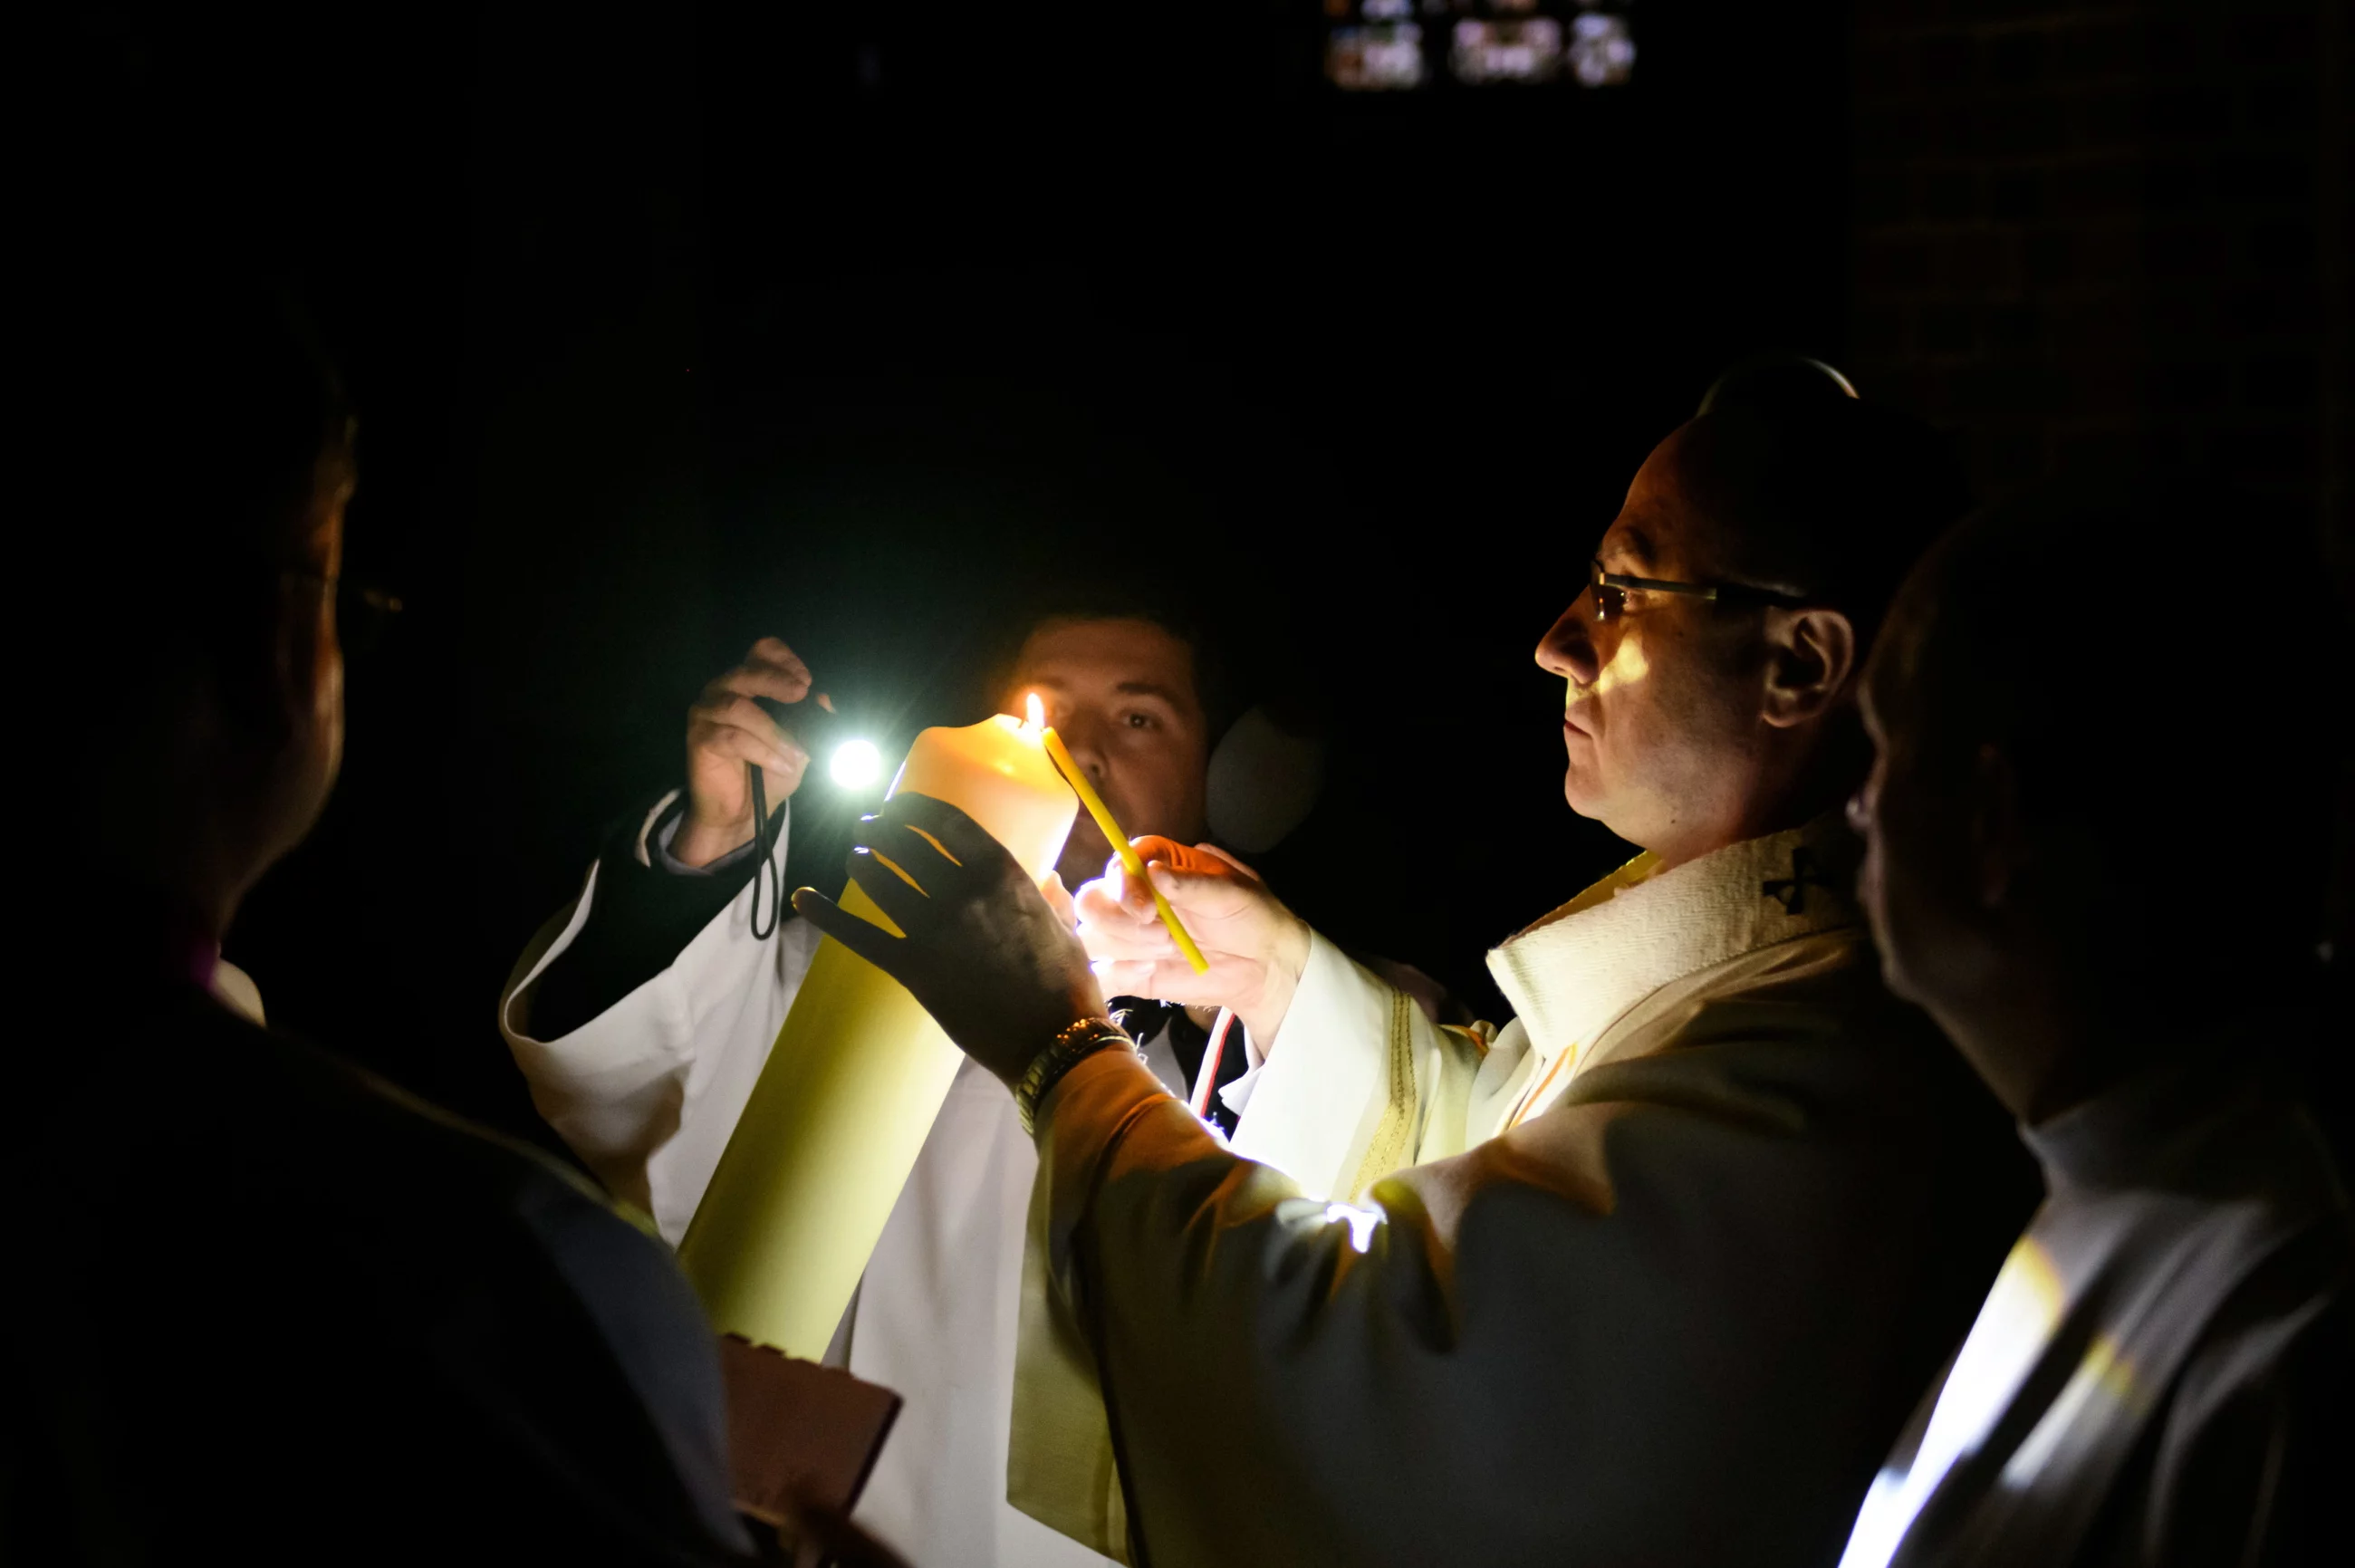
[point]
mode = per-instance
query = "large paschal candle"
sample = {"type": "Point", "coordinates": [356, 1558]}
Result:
{"type": "Point", "coordinates": [858, 1074]}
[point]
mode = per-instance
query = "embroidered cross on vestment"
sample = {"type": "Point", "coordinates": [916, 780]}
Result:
{"type": "Point", "coordinates": [1791, 892]}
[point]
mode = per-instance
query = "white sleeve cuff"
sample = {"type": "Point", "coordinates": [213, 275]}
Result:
{"type": "Point", "coordinates": [1236, 1096]}
{"type": "Point", "coordinates": [657, 847]}
{"type": "Point", "coordinates": [1314, 1104]}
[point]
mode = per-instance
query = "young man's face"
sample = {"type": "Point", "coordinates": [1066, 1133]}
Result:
{"type": "Point", "coordinates": [1661, 722]}
{"type": "Point", "coordinates": [1121, 693]}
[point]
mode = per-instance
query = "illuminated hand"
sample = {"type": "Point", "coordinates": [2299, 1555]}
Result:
{"type": "Point", "coordinates": [725, 729]}
{"type": "Point", "coordinates": [1255, 946]}
{"type": "Point", "coordinates": [985, 951]}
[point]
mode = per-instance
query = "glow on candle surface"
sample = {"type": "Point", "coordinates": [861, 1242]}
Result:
{"type": "Point", "coordinates": [1130, 860]}
{"type": "Point", "coordinates": [857, 1076]}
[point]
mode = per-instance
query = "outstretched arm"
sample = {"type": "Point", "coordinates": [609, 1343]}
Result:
{"type": "Point", "coordinates": [1611, 1328]}
{"type": "Point", "coordinates": [641, 1015]}
{"type": "Point", "coordinates": [1255, 948]}
{"type": "Point", "coordinates": [1364, 1082]}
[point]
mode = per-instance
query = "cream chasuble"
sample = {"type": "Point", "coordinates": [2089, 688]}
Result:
{"type": "Point", "coordinates": [1674, 1257]}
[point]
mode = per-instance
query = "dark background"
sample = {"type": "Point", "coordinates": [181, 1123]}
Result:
{"type": "Point", "coordinates": [674, 327]}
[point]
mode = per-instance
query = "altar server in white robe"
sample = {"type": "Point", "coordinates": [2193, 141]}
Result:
{"type": "Point", "coordinates": [644, 1012]}
{"type": "Point", "coordinates": [1691, 1226]}
{"type": "Point", "coordinates": [2161, 1374]}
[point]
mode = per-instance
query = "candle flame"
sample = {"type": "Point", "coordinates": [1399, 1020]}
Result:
{"type": "Point", "coordinates": [1034, 713]}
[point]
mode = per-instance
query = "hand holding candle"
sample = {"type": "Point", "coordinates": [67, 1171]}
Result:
{"type": "Point", "coordinates": [978, 944]}
{"type": "Point", "coordinates": [1257, 948]}
{"type": "Point", "coordinates": [1130, 861]}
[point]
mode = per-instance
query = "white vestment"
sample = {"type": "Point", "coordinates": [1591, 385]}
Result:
{"type": "Point", "coordinates": [647, 1093]}
{"type": "Point", "coordinates": [1583, 982]}
{"type": "Point", "coordinates": [1691, 1235]}
{"type": "Point", "coordinates": [2160, 1375]}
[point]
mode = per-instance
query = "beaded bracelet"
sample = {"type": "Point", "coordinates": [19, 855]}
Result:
{"type": "Point", "coordinates": [1073, 1045]}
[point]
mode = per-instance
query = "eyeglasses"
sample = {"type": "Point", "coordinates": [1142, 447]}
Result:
{"type": "Point", "coordinates": [363, 614]}
{"type": "Point", "coordinates": [1611, 589]}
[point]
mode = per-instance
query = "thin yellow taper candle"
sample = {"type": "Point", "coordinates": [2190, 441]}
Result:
{"type": "Point", "coordinates": [1130, 860]}
{"type": "Point", "coordinates": [856, 1078]}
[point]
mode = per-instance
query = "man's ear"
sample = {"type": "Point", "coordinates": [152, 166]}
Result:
{"type": "Point", "coordinates": [1810, 655]}
{"type": "Point", "coordinates": [1999, 846]}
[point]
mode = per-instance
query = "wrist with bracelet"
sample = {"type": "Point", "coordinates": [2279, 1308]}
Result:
{"type": "Point", "coordinates": [1075, 1044]}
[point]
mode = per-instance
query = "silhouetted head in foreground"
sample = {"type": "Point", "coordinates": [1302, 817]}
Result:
{"type": "Point", "coordinates": [219, 450]}
{"type": "Point", "coordinates": [2099, 815]}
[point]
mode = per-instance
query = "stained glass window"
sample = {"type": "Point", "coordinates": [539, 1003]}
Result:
{"type": "Point", "coordinates": [1398, 46]}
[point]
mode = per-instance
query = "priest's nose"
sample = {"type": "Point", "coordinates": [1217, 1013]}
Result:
{"type": "Point", "coordinates": [1567, 649]}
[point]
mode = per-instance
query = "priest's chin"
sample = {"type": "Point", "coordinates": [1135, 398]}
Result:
{"type": "Point", "coordinates": [1581, 788]}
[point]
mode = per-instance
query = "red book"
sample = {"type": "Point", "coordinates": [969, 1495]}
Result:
{"type": "Point", "coordinates": [798, 1431]}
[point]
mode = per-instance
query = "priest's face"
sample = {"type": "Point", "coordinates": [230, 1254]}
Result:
{"type": "Point", "coordinates": [1661, 717]}
{"type": "Point", "coordinates": [1122, 695]}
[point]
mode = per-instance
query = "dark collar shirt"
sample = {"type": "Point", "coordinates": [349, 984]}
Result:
{"type": "Point", "coordinates": [276, 1311]}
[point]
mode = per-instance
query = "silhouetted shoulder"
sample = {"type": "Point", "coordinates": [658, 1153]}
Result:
{"type": "Point", "coordinates": [318, 1294]}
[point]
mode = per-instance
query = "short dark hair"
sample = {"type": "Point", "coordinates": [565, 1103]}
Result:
{"type": "Point", "coordinates": [2051, 626]}
{"type": "Point", "coordinates": [1082, 599]}
{"type": "Point", "coordinates": [196, 426]}
{"type": "Point", "coordinates": [1821, 495]}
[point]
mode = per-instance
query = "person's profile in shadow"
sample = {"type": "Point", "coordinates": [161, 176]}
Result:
{"type": "Point", "coordinates": [282, 1307]}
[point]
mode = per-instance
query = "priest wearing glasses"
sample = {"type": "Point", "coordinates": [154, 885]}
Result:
{"type": "Point", "coordinates": [1650, 1275]}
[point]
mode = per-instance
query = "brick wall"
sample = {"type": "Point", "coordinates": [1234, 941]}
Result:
{"type": "Point", "coordinates": [2098, 233]}
{"type": "Point", "coordinates": [2107, 232]}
